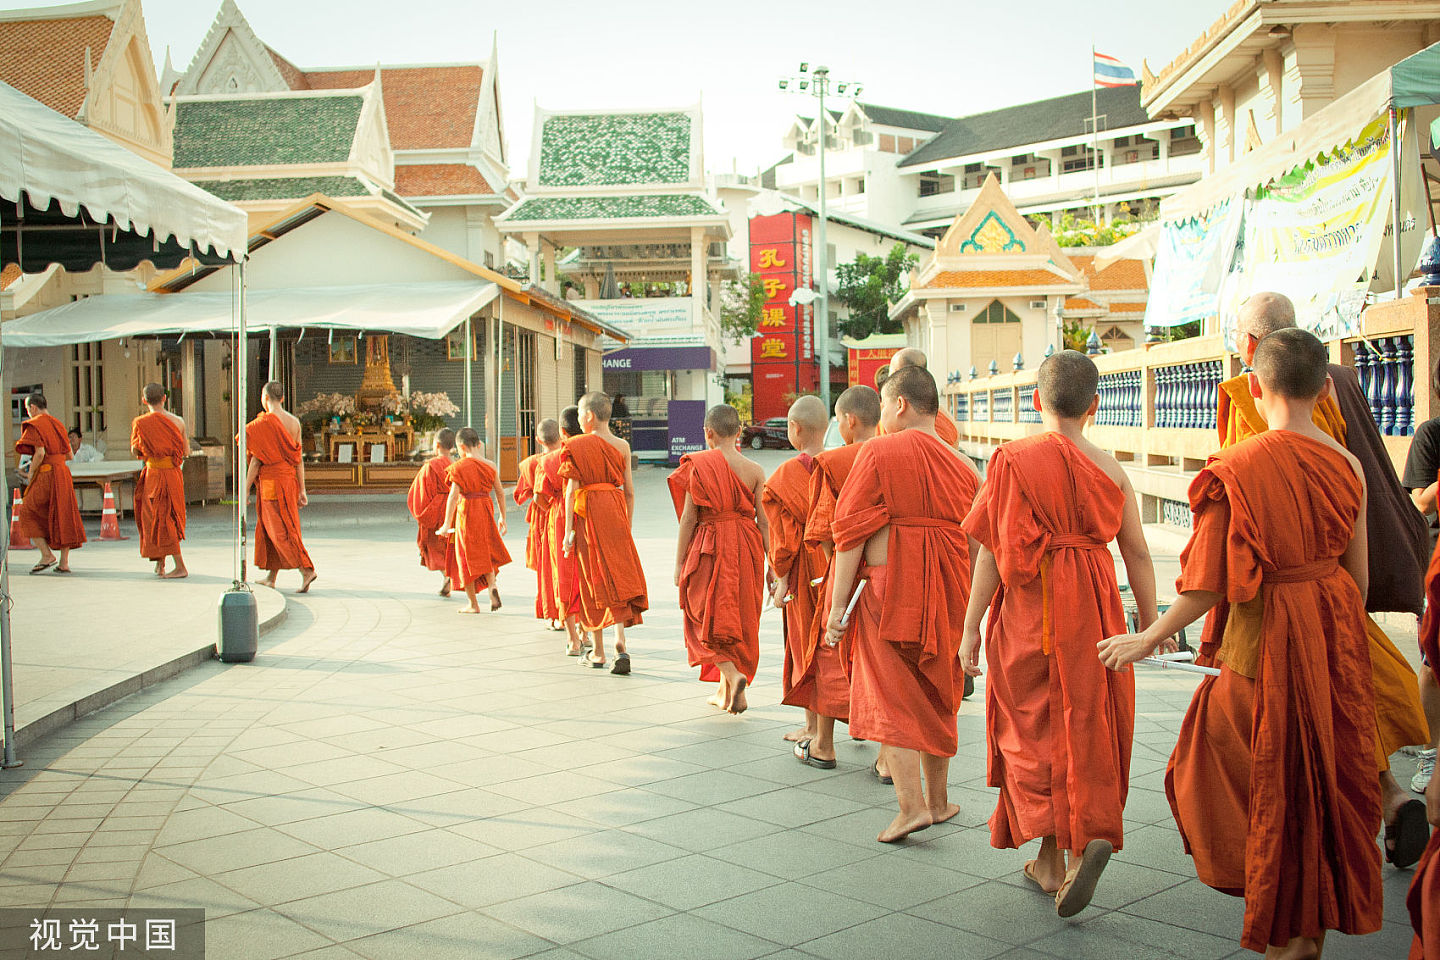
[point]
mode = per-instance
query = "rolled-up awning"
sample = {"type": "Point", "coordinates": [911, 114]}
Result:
{"type": "Point", "coordinates": [429, 310]}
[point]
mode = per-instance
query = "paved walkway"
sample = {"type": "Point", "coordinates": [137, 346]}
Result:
{"type": "Point", "coordinates": [391, 780]}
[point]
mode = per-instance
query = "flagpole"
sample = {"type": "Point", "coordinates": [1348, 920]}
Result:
{"type": "Point", "coordinates": [1095, 135]}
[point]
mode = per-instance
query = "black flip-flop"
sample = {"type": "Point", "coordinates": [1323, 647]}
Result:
{"type": "Point", "coordinates": [883, 778]}
{"type": "Point", "coordinates": [42, 567]}
{"type": "Point", "coordinates": [802, 753]}
{"type": "Point", "coordinates": [622, 664]}
{"type": "Point", "coordinates": [969, 687]}
{"type": "Point", "coordinates": [1410, 834]}
{"type": "Point", "coordinates": [590, 661]}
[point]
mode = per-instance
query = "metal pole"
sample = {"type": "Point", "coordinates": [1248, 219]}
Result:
{"type": "Point", "coordinates": [242, 406]}
{"type": "Point", "coordinates": [469, 371]}
{"type": "Point", "coordinates": [822, 260]}
{"type": "Point", "coordinates": [274, 371]}
{"type": "Point", "coordinates": [499, 378]}
{"type": "Point", "coordinates": [7, 680]}
{"type": "Point", "coordinates": [1095, 137]}
{"type": "Point", "coordinates": [1395, 212]}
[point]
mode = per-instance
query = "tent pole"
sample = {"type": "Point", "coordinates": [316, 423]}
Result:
{"type": "Point", "coordinates": [499, 379]}
{"type": "Point", "coordinates": [7, 680]}
{"type": "Point", "coordinates": [469, 371]}
{"type": "Point", "coordinates": [274, 372]}
{"type": "Point", "coordinates": [242, 406]}
{"type": "Point", "coordinates": [1395, 212]}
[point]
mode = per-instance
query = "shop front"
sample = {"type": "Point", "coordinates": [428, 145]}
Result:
{"type": "Point", "coordinates": [661, 385]}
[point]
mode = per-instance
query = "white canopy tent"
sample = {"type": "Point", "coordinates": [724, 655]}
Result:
{"type": "Point", "coordinates": [70, 196]}
{"type": "Point", "coordinates": [428, 310]}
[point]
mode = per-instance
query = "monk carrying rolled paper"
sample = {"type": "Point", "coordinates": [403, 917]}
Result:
{"type": "Point", "coordinates": [599, 514]}
{"type": "Point", "coordinates": [720, 557]}
{"type": "Point", "coordinates": [277, 470]}
{"type": "Point", "coordinates": [1272, 781]}
{"type": "Point", "coordinates": [429, 492]}
{"type": "Point", "coordinates": [529, 494]}
{"type": "Point", "coordinates": [900, 544]}
{"type": "Point", "coordinates": [797, 566]}
{"type": "Point", "coordinates": [1058, 724]}
{"type": "Point", "coordinates": [471, 518]}
{"type": "Point", "coordinates": [50, 513]}
{"type": "Point", "coordinates": [159, 439]}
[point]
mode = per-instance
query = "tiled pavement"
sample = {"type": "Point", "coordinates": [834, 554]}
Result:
{"type": "Point", "coordinates": [391, 780]}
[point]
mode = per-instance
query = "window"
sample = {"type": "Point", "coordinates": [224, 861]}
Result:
{"type": "Point", "coordinates": [1022, 158]}
{"type": "Point", "coordinates": [959, 307]}
{"type": "Point", "coordinates": [905, 144]}
{"type": "Point", "coordinates": [996, 312]}
{"type": "Point", "coordinates": [1068, 151]}
{"type": "Point", "coordinates": [581, 377]}
{"type": "Point", "coordinates": [887, 143]}
{"type": "Point", "coordinates": [342, 348]}
{"type": "Point", "coordinates": [88, 387]}
{"type": "Point", "coordinates": [932, 184]}
{"type": "Point", "coordinates": [489, 259]}
{"type": "Point", "coordinates": [526, 366]}
{"type": "Point", "coordinates": [972, 168]}
{"type": "Point", "coordinates": [1123, 141]}
{"type": "Point", "coordinates": [1037, 304]}
{"type": "Point", "coordinates": [860, 185]}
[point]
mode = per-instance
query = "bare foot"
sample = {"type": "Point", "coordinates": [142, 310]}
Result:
{"type": "Point", "coordinates": [494, 599]}
{"type": "Point", "coordinates": [737, 704]}
{"type": "Point", "coordinates": [445, 590]}
{"type": "Point", "coordinates": [268, 582]}
{"type": "Point", "coordinates": [902, 826]}
{"type": "Point", "coordinates": [945, 813]}
{"type": "Point", "coordinates": [1299, 948]}
{"type": "Point", "coordinates": [180, 573]}
{"type": "Point", "coordinates": [718, 702]}
{"type": "Point", "coordinates": [305, 587]}
{"type": "Point", "coordinates": [474, 609]}
{"type": "Point", "coordinates": [801, 733]}
{"type": "Point", "coordinates": [160, 568]}
{"type": "Point", "coordinates": [1048, 879]}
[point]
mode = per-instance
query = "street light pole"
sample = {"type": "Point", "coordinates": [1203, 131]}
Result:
{"type": "Point", "coordinates": [822, 259]}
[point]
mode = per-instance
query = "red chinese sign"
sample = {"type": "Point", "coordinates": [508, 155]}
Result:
{"type": "Point", "coordinates": [782, 351]}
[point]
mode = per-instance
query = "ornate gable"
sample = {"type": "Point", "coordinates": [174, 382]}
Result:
{"type": "Point", "coordinates": [991, 225]}
{"type": "Point", "coordinates": [231, 59]}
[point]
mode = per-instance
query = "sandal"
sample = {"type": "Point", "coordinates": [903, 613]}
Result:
{"type": "Point", "coordinates": [1079, 886]}
{"type": "Point", "coordinates": [42, 566]}
{"type": "Point", "coordinates": [588, 660]}
{"type": "Point", "coordinates": [802, 753]}
{"type": "Point", "coordinates": [622, 664]}
{"type": "Point", "coordinates": [883, 778]}
{"type": "Point", "coordinates": [1409, 834]}
{"type": "Point", "coordinates": [1029, 871]}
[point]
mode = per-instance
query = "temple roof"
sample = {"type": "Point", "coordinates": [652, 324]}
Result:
{"type": "Point", "coordinates": [266, 130]}
{"type": "Point", "coordinates": [440, 180]}
{"type": "Point", "coordinates": [630, 206]}
{"type": "Point", "coordinates": [616, 149]}
{"type": "Point", "coordinates": [426, 107]}
{"type": "Point", "coordinates": [43, 56]}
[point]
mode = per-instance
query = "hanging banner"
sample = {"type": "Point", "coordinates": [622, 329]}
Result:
{"type": "Point", "coordinates": [1315, 235]}
{"type": "Point", "coordinates": [1191, 260]}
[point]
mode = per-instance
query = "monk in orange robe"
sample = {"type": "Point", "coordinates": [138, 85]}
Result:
{"type": "Point", "coordinates": [276, 467]}
{"type": "Point", "coordinates": [528, 490]}
{"type": "Point", "coordinates": [564, 579]}
{"type": "Point", "coordinates": [50, 513]}
{"type": "Point", "coordinates": [900, 512]}
{"type": "Point", "coordinates": [1423, 900]}
{"type": "Point", "coordinates": [1272, 782]}
{"type": "Point", "coordinates": [797, 568]}
{"type": "Point", "coordinates": [945, 427]}
{"type": "Point", "coordinates": [159, 439]}
{"type": "Point", "coordinates": [599, 511]}
{"type": "Point", "coordinates": [720, 556]}
{"type": "Point", "coordinates": [426, 500]}
{"type": "Point", "coordinates": [1058, 724]}
{"type": "Point", "coordinates": [1398, 542]}
{"type": "Point", "coordinates": [470, 520]}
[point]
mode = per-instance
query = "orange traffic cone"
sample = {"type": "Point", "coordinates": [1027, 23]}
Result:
{"type": "Point", "coordinates": [109, 521]}
{"type": "Point", "coordinates": [18, 540]}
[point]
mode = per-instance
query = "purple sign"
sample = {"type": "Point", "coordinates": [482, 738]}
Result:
{"type": "Point", "coordinates": [659, 358]}
{"type": "Point", "coordinates": [687, 428]}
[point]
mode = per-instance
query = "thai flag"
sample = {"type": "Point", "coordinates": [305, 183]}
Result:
{"type": "Point", "coordinates": [1110, 72]}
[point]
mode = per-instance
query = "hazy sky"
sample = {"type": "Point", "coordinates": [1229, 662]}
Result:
{"type": "Point", "coordinates": [951, 58]}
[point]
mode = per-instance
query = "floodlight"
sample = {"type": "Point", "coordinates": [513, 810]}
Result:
{"type": "Point", "coordinates": [842, 87]}
{"type": "Point", "coordinates": [784, 84]}
{"type": "Point", "coordinates": [804, 84]}
{"type": "Point", "coordinates": [804, 66]}
{"type": "Point", "coordinates": [858, 88]}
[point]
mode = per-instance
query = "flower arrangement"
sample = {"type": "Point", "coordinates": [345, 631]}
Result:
{"type": "Point", "coordinates": [323, 406]}
{"type": "Point", "coordinates": [395, 405]}
{"type": "Point", "coordinates": [428, 411]}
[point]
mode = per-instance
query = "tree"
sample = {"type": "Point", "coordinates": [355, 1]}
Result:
{"type": "Point", "coordinates": [868, 286]}
{"type": "Point", "coordinates": [741, 303]}
{"type": "Point", "coordinates": [1070, 231]}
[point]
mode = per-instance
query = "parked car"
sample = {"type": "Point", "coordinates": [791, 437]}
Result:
{"type": "Point", "coordinates": [774, 432]}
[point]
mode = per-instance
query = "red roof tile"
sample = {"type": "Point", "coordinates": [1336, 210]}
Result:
{"type": "Point", "coordinates": [1080, 303]}
{"type": "Point", "coordinates": [46, 58]}
{"type": "Point", "coordinates": [9, 275]}
{"type": "Point", "coordinates": [439, 180]}
{"type": "Point", "coordinates": [292, 74]}
{"type": "Point", "coordinates": [1127, 308]}
{"type": "Point", "coordinates": [426, 108]}
{"type": "Point", "coordinates": [1120, 275]}
{"type": "Point", "coordinates": [994, 278]}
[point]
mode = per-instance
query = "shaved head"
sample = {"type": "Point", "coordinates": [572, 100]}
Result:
{"type": "Point", "coordinates": [597, 403]}
{"type": "Point", "coordinates": [1067, 383]}
{"type": "Point", "coordinates": [907, 357]}
{"type": "Point", "coordinates": [1265, 312]}
{"type": "Point", "coordinates": [915, 386]}
{"type": "Point", "coordinates": [570, 421]}
{"type": "Point", "coordinates": [468, 438]}
{"type": "Point", "coordinates": [275, 391]}
{"type": "Point", "coordinates": [809, 413]}
{"type": "Point", "coordinates": [548, 431]}
{"type": "Point", "coordinates": [723, 420]}
{"type": "Point", "coordinates": [862, 403]}
{"type": "Point", "coordinates": [1292, 363]}
{"type": "Point", "coordinates": [445, 439]}
{"type": "Point", "coordinates": [154, 393]}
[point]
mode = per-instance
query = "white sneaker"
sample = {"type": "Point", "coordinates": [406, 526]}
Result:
{"type": "Point", "coordinates": [1424, 770]}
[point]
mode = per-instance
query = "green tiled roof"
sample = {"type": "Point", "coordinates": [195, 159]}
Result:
{"type": "Point", "coordinates": [284, 188]}
{"type": "Point", "coordinates": [612, 208]}
{"type": "Point", "coordinates": [265, 130]}
{"type": "Point", "coordinates": [581, 150]}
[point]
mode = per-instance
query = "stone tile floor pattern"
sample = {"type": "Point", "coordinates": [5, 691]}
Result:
{"type": "Point", "coordinates": [389, 780]}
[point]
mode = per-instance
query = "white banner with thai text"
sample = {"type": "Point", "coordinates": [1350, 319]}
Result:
{"type": "Point", "coordinates": [642, 313]}
{"type": "Point", "coordinates": [1191, 260]}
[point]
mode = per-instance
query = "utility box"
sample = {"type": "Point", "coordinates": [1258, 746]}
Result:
{"type": "Point", "coordinates": [239, 626]}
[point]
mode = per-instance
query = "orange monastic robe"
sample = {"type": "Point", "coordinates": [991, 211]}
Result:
{"type": "Point", "coordinates": [1424, 897]}
{"type": "Point", "coordinates": [563, 582]}
{"type": "Point", "coordinates": [1058, 724]}
{"type": "Point", "coordinates": [50, 509]}
{"type": "Point", "coordinates": [906, 681]}
{"type": "Point", "coordinates": [160, 491]}
{"type": "Point", "coordinates": [786, 501]}
{"type": "Point", "coordinates": [1399, 718]}
{"type": "Point", "coordinates": [277, 510]}
{"type": "Point", "coordinates": [1270, 781]}
{"type": "Point", "coordinates": [426, 501]}
{"type": "Point", "coordinates": [612, 584]}
{"type": "Point", "coordinates": [822, 679]}
{"type": "Point", "coordinates": [537, 540]}
{"type": "Point", "coordinates": [479, 550]}
{"type": "Point", "coordinates": [722, 580]}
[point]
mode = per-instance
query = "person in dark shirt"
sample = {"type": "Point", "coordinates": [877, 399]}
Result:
{"type": "Point", "coordinates": [1422, 466]}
